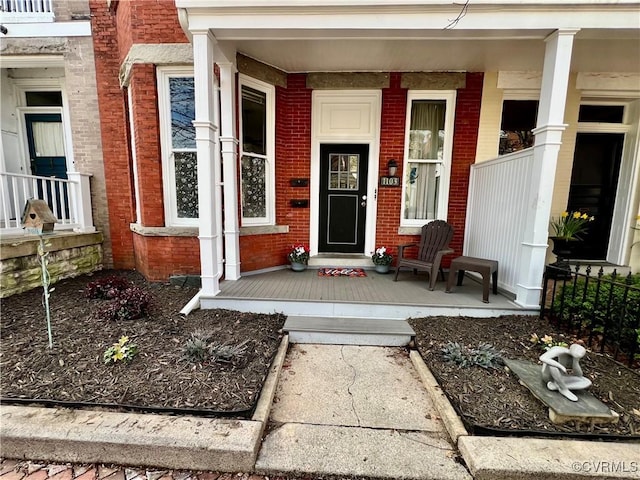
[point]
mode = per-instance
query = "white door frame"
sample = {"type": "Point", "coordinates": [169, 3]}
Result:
{"type": "Point", "coordinates": [621, 235]}
{"type": "Point", "coordinates": [345, 116]}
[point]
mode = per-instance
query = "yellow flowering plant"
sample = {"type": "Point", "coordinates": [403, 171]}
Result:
{"type": "Point", "coordinates": [569, 225]}
{"type": "Point", "coordinates": [121, 351]}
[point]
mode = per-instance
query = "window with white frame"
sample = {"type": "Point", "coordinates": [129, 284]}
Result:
{"type": "Point", "coordinates": [176, 101]}
{"type": "Point", "coordinates": [517, 124]}
{"type": "Point", "coordinates": [427, 158]}
{"type": "Point", "coordinates": [257, 151]}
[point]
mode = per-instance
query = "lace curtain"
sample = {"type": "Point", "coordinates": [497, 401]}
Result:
{"type": "Point", "coordinates": [425, 143]}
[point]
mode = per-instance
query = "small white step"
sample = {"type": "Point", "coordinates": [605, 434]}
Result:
{"type": "Point", "coordinates": [348, 331]}
{"type": "Point", "coordinates": [337, 260]}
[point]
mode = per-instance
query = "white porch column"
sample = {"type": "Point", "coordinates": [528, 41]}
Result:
{"type": "Point", "coordinates": [229, 141]}
{"type": "Point", "coordinates": [548, 137]}
{"type": "Point", "coordinates": [207, 148]}
{"type": "Point", "coordinates": [82, 200]}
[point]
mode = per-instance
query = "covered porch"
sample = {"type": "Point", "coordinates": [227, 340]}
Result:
{"type": "Point", "coordinates": [375, 296]}
{"type": "Point", "coordinates": [507, 209]}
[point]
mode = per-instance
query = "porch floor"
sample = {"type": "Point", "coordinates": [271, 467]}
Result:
{"type": "Point", "coordinates": [374, 296]}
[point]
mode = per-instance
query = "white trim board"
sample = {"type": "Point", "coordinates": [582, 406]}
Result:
{"type": "Point", "coordinates": [368, 104]}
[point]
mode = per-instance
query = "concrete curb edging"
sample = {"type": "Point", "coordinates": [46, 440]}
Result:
{"type": "Point", "coordinates": [263, 407]}
{"type": "Point", "coordinates": [448, 415]}
{"type": "Point", "coordinates": [187, 443]}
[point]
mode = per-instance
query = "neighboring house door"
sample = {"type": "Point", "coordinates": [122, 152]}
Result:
{"type": "Point", "coordinates": [343, 197]}
{"type": "Point", "coordinates": [45, 139]}
{"type": "Point", "coordinates": [594, 181]}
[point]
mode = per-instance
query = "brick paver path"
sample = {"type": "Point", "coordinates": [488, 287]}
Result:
{"type": "Point", "coordinates": [32, 470]}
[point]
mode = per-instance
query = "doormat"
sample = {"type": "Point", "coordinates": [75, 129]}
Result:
{"type": "Point", "coordinates": [341, 272]}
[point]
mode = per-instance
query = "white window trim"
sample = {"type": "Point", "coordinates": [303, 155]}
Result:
{"type": "Point", "coordinates": [270, 159]}
{"type": "Point", "coordinates": [449, 96]}
{"type": "Point", "coordinates": [24, 85]}
{"type": "Point", "coordinates": [166, 148]}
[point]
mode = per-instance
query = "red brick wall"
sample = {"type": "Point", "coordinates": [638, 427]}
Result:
{"type": "Point", "coordinates": [465, 139]}
{"type": "Point", "coordinates": [157, 258]}
{"type": "Point", "coordinates": [136, 21]}
{"type": "Point", "coordinates": [394, 111]}
{"type": "Point", "coordinates": [293, 160]}
{"type": "Point", "coordinates": [114, 133]}
{"type": "Point", "coordinates": [142, 21]}
{"type": "Point", "coordinates": [147, 21]}
{"type": "Point", "coordinates": [147, 144]}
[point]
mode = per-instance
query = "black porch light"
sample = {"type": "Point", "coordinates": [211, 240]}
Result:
{"type": "Point", "coordinates": [392, 167]}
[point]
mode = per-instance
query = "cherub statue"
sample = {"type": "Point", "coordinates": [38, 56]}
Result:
{"type": "Point", "coordinates": [555, 362]}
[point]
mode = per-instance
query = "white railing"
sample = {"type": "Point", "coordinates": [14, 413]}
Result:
{"type": "Point", "coordinates": [69, 200]}
{"type": "Point", "coordinates": [26, 11]}
{"type": "Point", "coordinates": [496, 212]}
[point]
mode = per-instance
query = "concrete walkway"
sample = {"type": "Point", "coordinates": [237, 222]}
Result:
{"type": "Point", "coordinates": [352, 410]}
{"type": "Point", "coordinates": [342, 411]}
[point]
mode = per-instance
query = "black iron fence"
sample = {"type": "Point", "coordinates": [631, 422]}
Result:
{"type": "Point", "coordinates": [604, 310]}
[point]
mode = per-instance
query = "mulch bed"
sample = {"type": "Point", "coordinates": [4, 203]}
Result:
{"type": "Point", "coordinates": [158, 377]}
{"type": "Point", "coordinates": [493, 399]}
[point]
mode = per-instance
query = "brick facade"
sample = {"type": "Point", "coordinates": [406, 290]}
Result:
{"type": "Point", "coordinates": [111, 106]}
{"type": "Point", "coordinates": [158, 257]}
{"type": "Point", "coordinates": [115, 30]}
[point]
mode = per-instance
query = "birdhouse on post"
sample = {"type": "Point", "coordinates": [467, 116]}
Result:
{"type": "Point", "coordinates": [37, 217]}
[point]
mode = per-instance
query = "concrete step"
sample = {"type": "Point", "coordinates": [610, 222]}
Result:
{"type": "Point", "coordinates": [348, 331]}
{"type": "Point", "coordinates": [336, 260]}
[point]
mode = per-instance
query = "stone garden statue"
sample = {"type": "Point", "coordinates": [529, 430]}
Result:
{"type": "Point", "coordinates": [555, 362]}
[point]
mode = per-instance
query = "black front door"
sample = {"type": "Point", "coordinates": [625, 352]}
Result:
{"type": "Point", "coordinates": [594, 181]}
{"type": "Point", "coordinates": [343, 197]}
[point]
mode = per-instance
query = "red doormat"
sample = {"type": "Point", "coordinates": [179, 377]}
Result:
{"type": "Point", "coordinates": [341, 272]}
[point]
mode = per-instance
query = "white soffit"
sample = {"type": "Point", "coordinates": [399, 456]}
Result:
{"type": "Point", "coordinates": [53, 29]}
{"type": "Point", "coordinates": [31, 61]}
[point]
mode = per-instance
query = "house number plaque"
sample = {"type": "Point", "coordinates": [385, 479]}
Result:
{"type": "Point", "coordinates": [389, 181]}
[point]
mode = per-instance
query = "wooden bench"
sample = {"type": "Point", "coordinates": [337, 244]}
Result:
{"type": "Point", "coordinates": [487, 268]}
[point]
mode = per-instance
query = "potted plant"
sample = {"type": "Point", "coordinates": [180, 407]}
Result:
{"type": "Point", "coordinates": [567, 228]}
{"type": "Point", "coordinates": [298, 257]}
{"type": "Point", "coordinates": [382, 259]}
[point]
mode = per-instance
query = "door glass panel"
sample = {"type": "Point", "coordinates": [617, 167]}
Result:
{"type": "Point", "coordinates": [343, 171]}
{"type": "Point", "coordinates": [48, 139]}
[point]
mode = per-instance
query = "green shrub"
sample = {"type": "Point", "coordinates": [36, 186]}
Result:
{"type": "Point", "coordinates": [196, 349]}
{"type": "Point", "coordinates": [612, 305]}
{"type": "Point", "coordinates": [484, 355]}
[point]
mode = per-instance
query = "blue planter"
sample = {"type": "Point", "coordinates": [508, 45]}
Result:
{"type": "Point", "coordinates": [382, 268]}
{"type": "Point", "coordinates": [298, 267]}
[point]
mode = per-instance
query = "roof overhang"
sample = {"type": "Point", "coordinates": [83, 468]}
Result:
{"type": "Point", "coordinates": [365, 35]}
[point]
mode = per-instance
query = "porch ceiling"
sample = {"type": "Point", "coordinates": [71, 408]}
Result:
{"type": "Point", "coordinates": [428, 54]}
{"type": "Point", "coordinates": [419, 35]}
